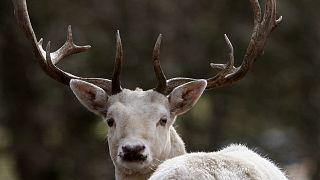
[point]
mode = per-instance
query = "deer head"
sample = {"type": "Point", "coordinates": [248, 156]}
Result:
{"type": "Point", "coordinates": [140, 122]}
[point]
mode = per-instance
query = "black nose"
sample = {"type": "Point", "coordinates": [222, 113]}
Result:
{"type": "Point", "coordinates": [133, 149]}
{"type": "Point", "coordinates": [133, 153]}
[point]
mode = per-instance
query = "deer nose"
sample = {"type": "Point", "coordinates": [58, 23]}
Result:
{"type": "Point", "coordinates": [133, 149]}
{"type": "Point", "coordinates": [133, 153]}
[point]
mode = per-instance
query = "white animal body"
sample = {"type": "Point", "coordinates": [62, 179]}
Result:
{"type": "Point", "coordinates": [235, 162]}
{"type": "Point", "coordinates": [140, 123]}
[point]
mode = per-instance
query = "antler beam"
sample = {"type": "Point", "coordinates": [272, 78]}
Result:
{"type": "Point", "coordinates": [48, 60]}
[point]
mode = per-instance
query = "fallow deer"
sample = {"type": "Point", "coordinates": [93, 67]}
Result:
{"type": "Point", "coordinates": [141, 132]}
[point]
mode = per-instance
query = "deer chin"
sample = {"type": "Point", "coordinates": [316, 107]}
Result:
{"type": "Point", "coordinates": [134, 166]}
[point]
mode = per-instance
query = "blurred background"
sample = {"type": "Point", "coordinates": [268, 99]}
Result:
{"type": "Point", "coordinates": [46, 134]}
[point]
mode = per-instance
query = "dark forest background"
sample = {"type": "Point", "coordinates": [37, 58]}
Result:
{"type": "Point", "coordinates": [46, 134]}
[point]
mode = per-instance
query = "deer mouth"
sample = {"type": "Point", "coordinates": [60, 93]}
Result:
{"type": "Point", "coordinates": [133, 157]}
{"type": "Point", "coordinates": [133, 162]}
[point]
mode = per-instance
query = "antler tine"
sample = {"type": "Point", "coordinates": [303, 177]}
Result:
{"type": "Point", "coordinates": [225, 68]}
{"type": "Point", "coordinates": [116, 83]}
{"type": "Point", "coordinates": [68, 48]}
{"type": "Point", "coordinates": [161, 78]}
{"type": "Point", "coordinates": [49, 60]}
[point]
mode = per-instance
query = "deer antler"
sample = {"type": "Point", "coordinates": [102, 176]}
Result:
{"type": "Point", "coordinates": [263, 26]}
{"type": "Point", "coordinates": [48, 60]}
{"type": "Point", "coordinates": [116, 84]}
{"type": "Point", "coordinates": [161, 78]}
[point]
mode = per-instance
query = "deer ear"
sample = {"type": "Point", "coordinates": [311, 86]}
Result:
{"type": "Point", "coordinates": [91, 96]}
{"type": "Point", "coordinates": [183, 97]}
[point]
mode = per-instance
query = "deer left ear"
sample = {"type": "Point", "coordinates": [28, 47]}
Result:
{"type": "Point", "coordinates": [91, 96]}
{"type": "Point", "coordinates": [183, 97]}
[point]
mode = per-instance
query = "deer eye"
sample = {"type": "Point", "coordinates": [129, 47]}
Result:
{"type": "Point", "coordinates": [163, 121]}
{"type": "Point", "coordinates": [110, 122]}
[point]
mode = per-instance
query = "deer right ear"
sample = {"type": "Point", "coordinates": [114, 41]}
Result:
{"type": "Point", "coordinates": [183, 97]}
{"type": "Point", "coordinates": [91, 96]}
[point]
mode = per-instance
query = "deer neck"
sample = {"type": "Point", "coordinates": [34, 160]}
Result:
{"type": "Point", "coordinates": [177, 145]}
{"type": "Point", "coordinates": [174, 147]}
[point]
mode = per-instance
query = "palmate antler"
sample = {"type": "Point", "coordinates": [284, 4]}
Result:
{"type": "Point", "coordinates": [264, 24]}
{"type": "Point", "coordinates": [48, 60]}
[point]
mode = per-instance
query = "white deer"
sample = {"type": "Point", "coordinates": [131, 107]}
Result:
{"type": "Point", "coordinates": [235, 162]}
{"type": "Point", "coordinates": [141, 133]}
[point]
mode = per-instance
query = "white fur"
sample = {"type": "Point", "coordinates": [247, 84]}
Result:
{"type": "Point", "coordinates": [235, 162]}
{"type": "Point", "coordinates": [136, 115]}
